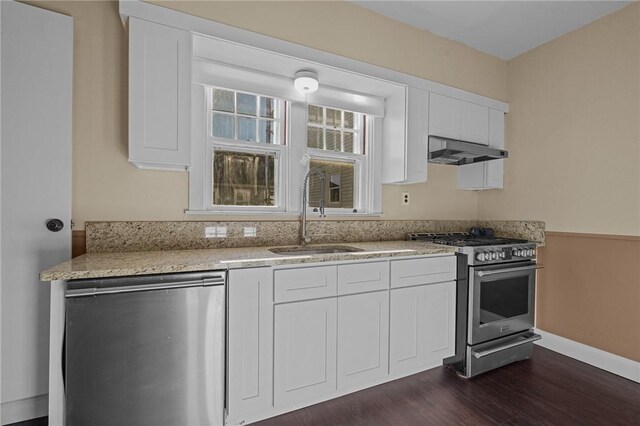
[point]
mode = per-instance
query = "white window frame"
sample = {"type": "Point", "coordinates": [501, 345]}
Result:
{"type": "Point", "coordinates": [279, 149]}
{"type": "Point", "coordinates": [362, 179]}
{"type": "Point", "coordinates": [232, 75]}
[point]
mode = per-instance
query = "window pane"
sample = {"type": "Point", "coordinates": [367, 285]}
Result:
{"type": "Point", "coordinates": [348, 120]}
{"type": "Point", "coordinates": [348, 141]}
{"type": "Point", "coordinates": [314, 138]}
{"type": "Point", "coordinates": [333, 140]}
{"type": "Point", "coordinates": [315, 114]}
{"type": "Point", "coordinates": [222, 100]}
{"type": "Point", "coordinates": [267, 131]}
{"type": "Point", "coordinates": [338, 190]}
{"type": "Point", "coordinates": [267, 107]}
{"type": "Point", "coordinates": [243, 179]}
{"type": "Point", "coordinates": [334, 117]}
{"type": "Point", "coordinates": [247, 129]}
{"type": "Point", "coordinates": [222, 126]}
{"type": "Point", "coordinates": [247, 104]}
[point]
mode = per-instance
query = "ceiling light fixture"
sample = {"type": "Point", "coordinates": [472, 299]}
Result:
{"type": "Point", "coordinates": [306, 82]}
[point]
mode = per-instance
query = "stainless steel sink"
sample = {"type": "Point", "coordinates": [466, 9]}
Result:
{"type": "Point", "coordinates": [304, 250]}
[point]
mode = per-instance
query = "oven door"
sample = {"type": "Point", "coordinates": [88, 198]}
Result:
{"type": "Point", "coordinates": [502, 300]}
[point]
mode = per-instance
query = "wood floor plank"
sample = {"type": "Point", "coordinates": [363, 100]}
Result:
{"type": "Point", "coordinates": [549, 389]}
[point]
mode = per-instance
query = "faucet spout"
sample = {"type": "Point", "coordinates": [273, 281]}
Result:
{"type": "Point", "coordinates": [304, 238]}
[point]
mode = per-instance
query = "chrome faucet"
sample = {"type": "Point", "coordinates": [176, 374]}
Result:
{"type": "Point", "coordinates": [304, 238]}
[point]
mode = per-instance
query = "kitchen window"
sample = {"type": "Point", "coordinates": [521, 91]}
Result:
{"type": "Point", "coordinates": [245, 147]}
{"type": "Point", "coordinates": [254, 138]}
{"type": "Point", "coordinates": [336, 147]}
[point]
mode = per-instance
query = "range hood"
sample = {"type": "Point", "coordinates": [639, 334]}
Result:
{"type": "Point", "coordinates": [458, 153]}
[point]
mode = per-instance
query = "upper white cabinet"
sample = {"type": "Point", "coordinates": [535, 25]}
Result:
{"type": "Point", "coordinates": [488, 174]}
{"type": "Point", "coordinates": [458, 119]}
{"type": "Point", "coordinates": [159, 96]}
{"type": "Point", "coordinates": [404, 142]}
{"type": "Point", "coordinates": [430, 113]}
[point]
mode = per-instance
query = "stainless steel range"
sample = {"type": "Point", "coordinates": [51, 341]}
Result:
{"type": "Point", "coordinates": [495, 299]}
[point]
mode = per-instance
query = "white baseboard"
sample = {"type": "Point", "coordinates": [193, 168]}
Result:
{"type": "Point", "coordinates": [25, 409]}
{"type": "Point", "coordinates": [607, 361]}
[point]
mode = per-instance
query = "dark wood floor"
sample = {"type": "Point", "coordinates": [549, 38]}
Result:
{"type": "Point", "coordinates": [549, 389]}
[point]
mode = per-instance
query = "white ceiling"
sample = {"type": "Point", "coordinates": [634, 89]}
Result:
{"type": "Point", "coordinates": [504, 29]}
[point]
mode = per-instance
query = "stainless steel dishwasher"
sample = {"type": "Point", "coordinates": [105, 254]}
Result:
{"type": "Point", "coordinates": [146, 350]}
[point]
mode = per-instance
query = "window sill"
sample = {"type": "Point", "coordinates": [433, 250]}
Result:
{"type": "Point", "coordinates": [310, 214]}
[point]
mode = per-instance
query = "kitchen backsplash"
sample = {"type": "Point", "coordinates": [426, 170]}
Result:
{"type": "Point", "coordinates": [150, 236]}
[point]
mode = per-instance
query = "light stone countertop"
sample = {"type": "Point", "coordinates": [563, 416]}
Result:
{"type": "Point", "coordinates": [102, 265]}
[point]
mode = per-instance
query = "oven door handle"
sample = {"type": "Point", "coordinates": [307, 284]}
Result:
{"type": "Point", "coordinates": [505, 271]}
{"type": "Point", "coordinates": [481, 354]}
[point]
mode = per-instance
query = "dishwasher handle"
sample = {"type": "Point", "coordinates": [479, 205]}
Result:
{"type": "Point", "coordinates": [83, 288]}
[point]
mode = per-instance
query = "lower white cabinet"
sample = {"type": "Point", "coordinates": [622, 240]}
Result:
{"type": "Point", "coordinates": [283, 356]}
{"type": "Point", "coordinates": [249, 344]}
{"type": "Point", "coordinates": [304, 351]}
{"type": "Point", "coordinates": [363, 338]}
{"type": "Point", "coordinates": [422, 326]}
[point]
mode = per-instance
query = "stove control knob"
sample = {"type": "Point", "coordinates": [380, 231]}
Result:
{"type": "Point", "coordinates": [514, 252]}
{"type": "Point", "coordinates": [494, 256]}
{"type": "Point", "coordinates": [501, 255]}
{"type": "Point", "coordinates": [519, 253]}
{"type": "Point", "coordinates": [480, 257]}
{"type": "Point", "coordinates": [531, 252]}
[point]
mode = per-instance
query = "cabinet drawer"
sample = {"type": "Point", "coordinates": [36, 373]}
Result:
{"type": "Point", "coordinates": [361, 277]}
{"type": "Point", "coordinates": [305, 283]}
{"type": "Point", "coordinates": [422, 271]}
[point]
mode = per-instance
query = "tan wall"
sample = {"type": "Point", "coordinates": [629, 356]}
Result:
{"type": "Point", "coordinates": [107, 187]}
{"type": "Point", "coordinates": [589, 291]}
{"type": "Point", "coordinates": [573, 131]}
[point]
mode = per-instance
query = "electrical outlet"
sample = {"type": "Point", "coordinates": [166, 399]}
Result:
{"type": "Point", "coordinates": [405, 198]}
{"type": "Point", "coordinates": [215, 232]}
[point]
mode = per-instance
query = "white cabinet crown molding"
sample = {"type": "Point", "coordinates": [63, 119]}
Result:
{"type": "Point", "coordinates": [197, 25]}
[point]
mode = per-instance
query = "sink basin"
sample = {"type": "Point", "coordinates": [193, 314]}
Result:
{"type": "Point", "coordinates": [302, 250]}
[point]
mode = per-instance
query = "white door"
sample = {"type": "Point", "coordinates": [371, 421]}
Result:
{"type": "Point", "coordinates": [304, 351]}
{"type": "Point", "coordinates": [35, 177]}
{"type": "Point", "coordinates": [363, 339]}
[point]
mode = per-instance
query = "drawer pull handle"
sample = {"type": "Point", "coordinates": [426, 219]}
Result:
{"type": "Point", "coordinates": [310, 286]}
{"type": "Point", "coordinates": [366, 281]}
{"type": "Point", "coordinates": [507, 346]}
{"type": "Point", "coordinates": [425, 275]}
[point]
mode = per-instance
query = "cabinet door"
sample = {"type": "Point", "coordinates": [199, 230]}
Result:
{"type": "Point", "coordinates": [304, 352]}
{"type": "Point", "coordinates": [422, 326]}
{"type": "Point", "coordinates": [495, 168]}
{"type": "Point", "coordinates": [406, 345]}
{"type": "Point", "coordinates": [444, 116]}
{"type": "Point", "coordinates": [250, 343]}
{"type": "Point", "coordinates": [440, 321]}
{"type": "Point", "coordinates": [159, 95]}
{"type": "Point", "coordinates": [417, 135]}
{"type": "Point", "coordinates": [363, 338]}
{"type": "Point", "coordinates": [488, 174]}
{"type": "Point", "coordinates": [404, 138]}
{"type": "Point", "coordinates": [474, 122]}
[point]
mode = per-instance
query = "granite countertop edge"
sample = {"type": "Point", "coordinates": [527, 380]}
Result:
{"type": "Point", "coordinates": [106, 265]}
